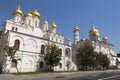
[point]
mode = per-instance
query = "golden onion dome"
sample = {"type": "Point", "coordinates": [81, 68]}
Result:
{"type": "Point", "coordinates": [17, 11]}
{"type": "Point", "coordinates": [45, 22]}
{"type": "Point", "coordinates": [93, 31]}
{"type": "Point", "coordinates": [68, 39]}
{"type": "Point", "coordinates": [76, 29]}
{"type": "Point", "coordinates": [28, 15]}
{"type": "Point", "coordinates": [53, 26]}
{"type": "Point", "coordinates": [36, 14]}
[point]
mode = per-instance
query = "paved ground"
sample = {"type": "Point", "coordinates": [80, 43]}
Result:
{"type": "Point", "coordinates": [85, 75]}
{"type": "Point", "coordinates": [20, 77]}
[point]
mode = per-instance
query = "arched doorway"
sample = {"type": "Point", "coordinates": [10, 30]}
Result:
{"type": "Point", "coordinates": [41, 65]}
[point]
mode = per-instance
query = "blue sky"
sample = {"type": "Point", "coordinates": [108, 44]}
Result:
{"type": "Point", "coordinates": [104, 14]}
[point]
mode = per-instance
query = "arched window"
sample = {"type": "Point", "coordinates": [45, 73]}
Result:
{"type": "Point", "coordinates": [12, 28]}
{"type": "Point", "coordinates": [16, 29]}
{"type": "Point", "coordinates": [67, 53]}
{"type": "Point", "coordinates": [41, 64]}
{"type": "Point", "coordinates": [42, 49]}
{"type": "Point", "coordinates": [17, 44]}
{"type": "Point", "coordinates": [60, 52]}
{"type": "Point", "coordinates": [29, 22]}
{"type": "Point", "coordinates": [60, 65]}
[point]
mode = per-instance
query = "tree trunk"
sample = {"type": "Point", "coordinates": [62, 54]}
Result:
{"type": "Point", "coordinates": [51, 67]}
{"type": "Point", "coordinates": [86, 67]}
{"type": "Point", "coordinates": [17, 69]}
{"type": "Point", "coordinates": [0, 68]}
{"type": "Point", "coordinates": [16, 65]}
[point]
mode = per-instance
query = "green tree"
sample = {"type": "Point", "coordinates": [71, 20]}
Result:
{"type": "Point", "coordinates": [11, 53]}
{"type": "Point", "coordinates": [102, 60]}
{"type": "Point", "coordinates": [106, 62]}
{"type": "Point", "coordinates": [52, 56]}
{"type": "Point", "coordinates": [99, 60]}
{"type": "Point", "coordinates": [86, 56]}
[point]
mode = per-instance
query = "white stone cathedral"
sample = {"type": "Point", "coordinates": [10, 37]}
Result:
{"type": "Point", "coordinates": [100, 45]}
{"type": "Point", "coordinates": [24, 33]}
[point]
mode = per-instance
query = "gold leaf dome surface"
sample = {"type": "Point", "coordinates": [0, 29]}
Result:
{"type": "Point", "coordinates": [53, 26]}
{"type": "Point", "coordinates": [28, 15]}
{"type": "Point", "coordinates": [68, 39]}
{"type": "Point", "coordinates": [45, 22]}
{"type": "Point", "coordinates": [36, 14]}
{"type": "Point", "coordinates": [17, 11]}
{"type": "Point", "coordinates": [93, 31]}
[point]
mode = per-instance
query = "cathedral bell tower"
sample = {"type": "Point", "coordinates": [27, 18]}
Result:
{"type": "Point", "coordinates": [76, 35]}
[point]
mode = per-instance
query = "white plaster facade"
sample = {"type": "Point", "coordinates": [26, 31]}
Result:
{"type": "Point", "coordinates": [31, 37]}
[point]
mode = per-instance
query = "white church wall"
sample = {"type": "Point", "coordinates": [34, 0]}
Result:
{"type": "Point", "coordinates": [23, 28]}
{"type": "Point", "coordinates": [30, 46]}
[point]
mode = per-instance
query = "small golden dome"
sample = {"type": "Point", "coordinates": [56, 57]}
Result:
{"type": "Point", "coordinates": [28, 15]}
{"type": "Point", "coordinates": [45, 22]}
{"type": "Point", "coordinates": [76, 29]}
{"type": "Point", "coordinates": [17, 11]}
{"type": "Point", "coordinates": [93, 31]}
{"type": "Point", "coordinates": [36, 14]}
{"type": "Point", "coordinates": [68, 39]}
{"type": "Point", "coordinates": [53, 26]}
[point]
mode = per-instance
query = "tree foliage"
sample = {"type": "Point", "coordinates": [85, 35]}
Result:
{"type": "Point", "coordinates": [102, 60]}
{"type": "Point", "coordinates": [85, 57]}
{"type": "Point", "coordinates": [88, 59]}
{"type": "Point", "coordinates": [52, 56]}
{"type": "Point", "coordinates": [11, 53]}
